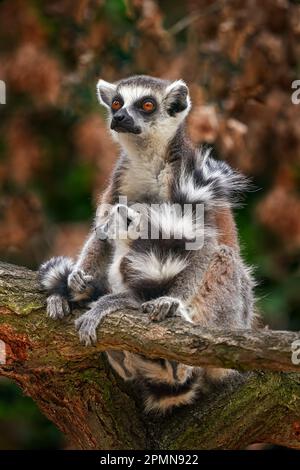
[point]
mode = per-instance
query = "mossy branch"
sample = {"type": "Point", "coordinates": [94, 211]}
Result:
{"type": "Point", "coordinates": [75, 388]}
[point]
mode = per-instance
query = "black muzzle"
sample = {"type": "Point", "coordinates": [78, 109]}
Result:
{"type": "Point", "coordinates": [123, 122]}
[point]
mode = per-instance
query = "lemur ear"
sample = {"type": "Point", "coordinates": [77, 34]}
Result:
{"type": "Point", "coordinates": [105, 92]}
{"type": "Point", "coordinates": [177, 98]}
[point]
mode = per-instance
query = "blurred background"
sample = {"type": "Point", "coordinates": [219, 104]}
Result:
{"type": "Point", "coordinates": [239, 58]}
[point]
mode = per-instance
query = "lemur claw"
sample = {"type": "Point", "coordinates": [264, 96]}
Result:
{"type": "Point", "coordinates": [161, 308]}
{"type": "Point", "coordinates": [57, 307]}
{"type": "Point", "coordinates": [78, 281]}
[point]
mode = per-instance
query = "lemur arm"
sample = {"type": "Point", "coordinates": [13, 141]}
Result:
{"type": "Point", "coordinates": [215, 289]}
{"type": "Point", "coordinates": [88, 279]}
{"type": "Point", "coordinates": [88, 322]}
{"type": "Point", "coordinates": [67, 281]}
{"type": "Point", "coordinates": [89, 276]}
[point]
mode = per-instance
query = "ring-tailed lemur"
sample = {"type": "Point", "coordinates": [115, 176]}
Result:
{"type": "Point", "coordinates": [211, 286]}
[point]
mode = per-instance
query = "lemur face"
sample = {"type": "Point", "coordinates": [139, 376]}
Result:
{"type": "Point", "coordinates": [144, 106]}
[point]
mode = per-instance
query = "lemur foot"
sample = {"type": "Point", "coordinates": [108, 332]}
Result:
{"type": "Point", "coordinates": [78, 281]}
{"type": "Point", "coordinates": [57, 307]}
{"type": "Point", "coordinates": [87, 324]}
{"type": "Point", "coordinates": [161, 308]}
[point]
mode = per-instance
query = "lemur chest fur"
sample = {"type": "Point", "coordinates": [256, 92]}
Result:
{"type": "Point", "coordinates": [115, 277]}
{"type": "Point", "coordinates": [147, 178]}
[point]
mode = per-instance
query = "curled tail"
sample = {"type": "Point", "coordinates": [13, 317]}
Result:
{"type": "Point", "coordinates": [53, 278]}
{"type": "Point", "coordinates": [210, 182]}
{"type": "Point", "coordinates": [66, 285]}
{"type": "Point", "coordinates": [164, 384]}
{"type": "Point", "coordinates": [53, 275]}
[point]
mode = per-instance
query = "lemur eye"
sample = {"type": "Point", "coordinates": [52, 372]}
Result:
{"type": "Point", "coordinates": [116, 104]}
{"type": "Point", "coordinates": [148, 106]}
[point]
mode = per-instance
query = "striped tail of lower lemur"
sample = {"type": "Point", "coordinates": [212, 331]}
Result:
{"type": "Point", "coordinates": [161, 276]}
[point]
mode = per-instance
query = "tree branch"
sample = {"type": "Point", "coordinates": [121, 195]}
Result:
{"type": "Point", "coordinates": [77, 390]}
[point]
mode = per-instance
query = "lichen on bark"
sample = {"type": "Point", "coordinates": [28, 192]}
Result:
{"type": "Point", "coordinates": [77, 390]}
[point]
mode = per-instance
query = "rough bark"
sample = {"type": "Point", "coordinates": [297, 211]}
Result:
{"type": "Point", "coordinates": [74, 386]}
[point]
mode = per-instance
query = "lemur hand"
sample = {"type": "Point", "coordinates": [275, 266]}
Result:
{"type": "Point", "coordinates": [57, 306]}
{"type": "Point", "coordinates": [161, 308]}
{"type": "Point", "coordinates": [87, 324]}
{"type": "Point", "coordinates": [79, 282]}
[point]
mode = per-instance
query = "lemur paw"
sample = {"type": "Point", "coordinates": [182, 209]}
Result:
{"type": "Point", "coordinates": [86, 325]}
{"type": "Point", "coordinates": [78, 281]}
{"type": "Point", "coordinates": [161, 308]}
{"type": "Point", "coordinates": [57, 307]}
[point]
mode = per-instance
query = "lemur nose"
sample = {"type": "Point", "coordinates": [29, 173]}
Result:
{"type": "Point", "coordinates": [120, 116]}
{"type": "Point", "coordinates": [123, 122]}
